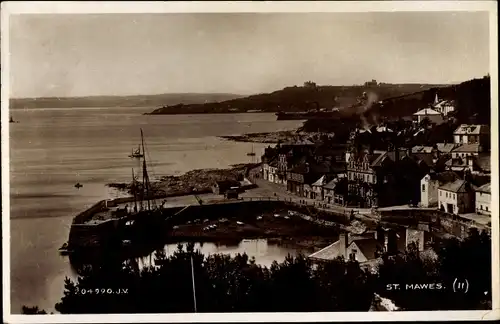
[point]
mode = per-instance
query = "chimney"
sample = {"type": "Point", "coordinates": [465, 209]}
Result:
{"type": "Point", "coordinates": [344, 240]}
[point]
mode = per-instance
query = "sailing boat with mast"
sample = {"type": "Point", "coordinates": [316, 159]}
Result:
{"type": "Point", "coordinates": [145, 190]}
{"type": "Point", "coordinates": [137, 153]}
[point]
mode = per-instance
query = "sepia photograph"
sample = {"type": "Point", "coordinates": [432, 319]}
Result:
{"type": "Point", "coordinates": [266, 161]}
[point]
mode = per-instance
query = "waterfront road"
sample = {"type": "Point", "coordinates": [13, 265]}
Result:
{"type": "Point", "coordinates": [270, 189]}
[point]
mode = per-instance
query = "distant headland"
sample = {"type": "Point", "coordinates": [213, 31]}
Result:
{"type": "Point", "coordinates": [120, 101]}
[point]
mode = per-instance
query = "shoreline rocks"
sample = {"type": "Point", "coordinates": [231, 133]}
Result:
{"type": "Point", "coordinates": [194, 181]}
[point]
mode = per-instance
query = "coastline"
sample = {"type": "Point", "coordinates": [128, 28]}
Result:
{"type": "Point", "coordinates": [266, 137]}
{"type": "Point", "coordinates": [197, 181]}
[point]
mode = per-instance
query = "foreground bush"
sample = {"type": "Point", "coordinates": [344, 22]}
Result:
{"type": "Point", "coordinates": [237, 284]}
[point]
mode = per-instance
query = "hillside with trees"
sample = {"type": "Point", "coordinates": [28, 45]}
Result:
{"type": "Point", "coordinates": [472, 105]}
{"type": "Point", "coordinates": [297, 98]}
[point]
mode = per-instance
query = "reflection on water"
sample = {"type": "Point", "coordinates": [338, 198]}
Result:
{"type": "Point", "coordinates": [263, 252]}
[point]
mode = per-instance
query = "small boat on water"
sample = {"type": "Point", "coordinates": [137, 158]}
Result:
{"type": "Point", "coordinates": [78, 185]}
{"type": "Point", "coordinates": [137, 153]}
{"type": "Point", "coordinates": [251, 153]}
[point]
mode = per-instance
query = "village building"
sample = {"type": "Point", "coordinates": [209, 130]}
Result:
{"type": "Point", "coordinates": [465, 150]}
{"type": "Point", "coordinates": [222, 186]}
{"type": "Point", "coordinates": [434, 117]}
{"type": "Point", "coordinates": [483, 199]}
{"type": "Point", "coordinates": [472, 134]}
{"type": "Point", "coordinates": [443, 106]}
{"type": "Point", "coordinates": [429, 187]}
{"type": "Point", "coordinates": [370, 246]}
{"type": "Point", "coordinates": [365, 171]}
{"type": "Point", "coordinates": [317, 187]}
{"type": "Point", "coordinates": [361, 248]}
{"type": "Point", "coordinates": [456, 197]}
{"type": "Point", "coordinates": [301, 176]}
{"type": "Point", "coordinates": [335, 191]}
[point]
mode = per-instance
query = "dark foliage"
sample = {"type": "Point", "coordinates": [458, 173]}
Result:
{"type": "Point", "coordinates": [238, 284]}
{"type": "Point", "coordinates": [295, 99]}
{"type": "Point", "coordinates": [462, 260]}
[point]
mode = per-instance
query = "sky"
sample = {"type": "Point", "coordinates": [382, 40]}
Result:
{"type": "Point", "coordinates": [243, 53]}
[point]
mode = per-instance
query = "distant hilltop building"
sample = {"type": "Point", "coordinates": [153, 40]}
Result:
{"type": "Point", "coordinates": [372, 83]}
{"type": "Point", "coordinates": [310, 84]}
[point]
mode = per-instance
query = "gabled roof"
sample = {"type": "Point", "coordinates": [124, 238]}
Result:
{"type": "Point", "coordinates": [422, 149]}
{"type": "Point", "coordinates": [485, 188]}
{"type": "Point", "coordinates": [320, 182]}
{"type": "Point", "coordinates": [428, 159]}
{"type": "Point", "coordinates": [468, 148]}
{"type": "Point", "coordinates": [456, 186]}
{"type": "Point", "coordinates": [443, 103]}
{"type": "Point", "coordinates": [273, 163]}
{"type": "Point", "coordinates": [377, 159]}
{"type": "Point", "coordinates": [466, 129]}
{"type": "Point", "coordinates": [368, 246]}
{"type": "Point", "coordinates": [444, 177]}
{"type": "Point", "coordinates": [331, 252]}
{"type": "Point", "coordinates": [331, 184]}
{"type": "Point", "coordinates": [427, 111]}
{"type": "Point", "coordinates": [227, 183]}
{"type": "Point", "coordinates": [446, 147]}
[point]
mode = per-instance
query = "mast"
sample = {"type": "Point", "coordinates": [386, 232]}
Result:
{"type": "Point", "coordinates": [145, 179]}
{"type": "Point", "coordinates": [134, 188]}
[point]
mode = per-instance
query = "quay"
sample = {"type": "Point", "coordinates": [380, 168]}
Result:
{"type": "Point", "coordinates": [91, 227]}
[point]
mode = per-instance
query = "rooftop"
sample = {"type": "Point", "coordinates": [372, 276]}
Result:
{"type": "Point", "coordinates": [331, 252]}
{"type": "Point", "coordinates": [469, 148]}
{"type": "Point", "coordinates": [446, 147]}
{"type": "Point", "coordinates": [426, 111]}
{"type": "Point", "coordinates": [466, 129]}
{"type": "Point", "coordinates": [422, 149]}
{"type": "Point", "coordinates": [320, 182]}
{"type": "Point", "coordinates": [444, 177]}
{"type": "Point", "coordinates": [456, 186]}
{"type": "Point", "coordinates": [368, 246]}
{"type": "Point", "coordinates": [485, 188]}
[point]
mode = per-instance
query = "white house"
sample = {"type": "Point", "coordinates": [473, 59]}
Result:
{"type": "Point", "coordinates": [434, 116]}
{"type": "Point", "coordinates": [317, 188]}
{"type": "Point", "coordinates": [429, 187]}
{"type": "Point", "coordinates": [465, 150]}
{"type": "Point", "coordinates": [472, 134]}
{"type": "Point", "coordinates": [443, 106]}
{"type": "Point", "coordinates": [456, 197]}
{"type": "Point", "coordinates": [483, 199]}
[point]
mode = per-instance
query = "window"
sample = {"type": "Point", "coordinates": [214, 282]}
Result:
{"type": "Point", "coordinates": [423, 188]}
{"type": "Point", "coordinates": [446, 194]}
{"type": "Point", "coordinates": [440, 193]}
{"type": "Point", "coordinates": [454, 196]}
{"type": "Point", "coordinates": [486, 208]}
{"type": "Point", "coordinates": [481, 207]}
{"type": "Point", "coordinates": [352, 255]}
